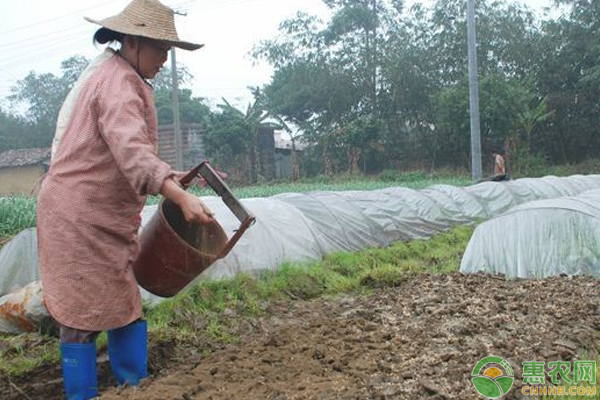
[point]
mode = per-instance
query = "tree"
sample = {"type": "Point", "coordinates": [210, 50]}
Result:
{"type": "Point", "coordinates": [327, 75]}
{"type": "Point", "coordinates": [233, 136]}
{"type": "Point", "coordinates": [315, 97]}
{"type": "Point", "coordinates": [43, 95]}
{"type": "Point", "coordinates": [191, 109]}
{"type": "Point", "coordinates": [529, 116]}
{"type": "Point", "coordinates": [569, 74]}
{"type": "Point", "coordinates": [15, 132]}
{"type": "Point", "coordinates": [375, 63]}
{"type": "Point", "coordinates": [359, 135]}
{"type": "Point", "coordinates": [507, 39]}
{"type": "Point", "coordinates": [502, 100]}
{"type": "Point", "coordinates": [228, 141]}
{"type": "Point", "coordinates": [164, 79]}
{"type": "Point", "coordinates": [254, 117]}
{"type": "Point", "coordinates": [72, 68]}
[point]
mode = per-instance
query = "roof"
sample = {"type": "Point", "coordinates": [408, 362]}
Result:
{"type": "Point", "coordinates": [23, 157]}
{"type": "Point", "coordinates": [284, 142]}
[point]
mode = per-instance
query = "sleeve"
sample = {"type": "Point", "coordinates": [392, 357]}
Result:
{"type": "Point", "coordinates": [122, 125]}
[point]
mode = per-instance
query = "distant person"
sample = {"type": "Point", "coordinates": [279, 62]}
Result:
{"type": "Point", "coordinates": [103, 165]}
{"type": "Point", "coordinates": [499, 167]}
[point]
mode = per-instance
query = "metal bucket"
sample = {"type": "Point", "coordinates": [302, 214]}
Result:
{"type": "Point", "coordinates": [174, 251]}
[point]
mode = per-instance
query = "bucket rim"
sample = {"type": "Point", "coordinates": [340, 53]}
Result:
{"type": "Point", "coordinates": [164, 220]}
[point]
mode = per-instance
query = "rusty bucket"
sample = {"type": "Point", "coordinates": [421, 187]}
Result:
{"type": "Point", "coordinates": [174, 252]}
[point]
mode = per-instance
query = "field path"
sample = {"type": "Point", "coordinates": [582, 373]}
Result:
{"type": "Point", "coordinates": [419, 340]}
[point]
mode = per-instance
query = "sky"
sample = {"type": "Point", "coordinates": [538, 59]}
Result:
{"type": "Point", "coordinates": [38, 34]}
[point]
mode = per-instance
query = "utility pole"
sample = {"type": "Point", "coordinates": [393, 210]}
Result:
{"type": "Point", "coordinates": [175, 96]}
{"type": "Point", "coordinates": [374, 60]}
{"type": "Point", "coordinates": [473, 94]}
{"type": "Point", "coordinates": [176, 123]}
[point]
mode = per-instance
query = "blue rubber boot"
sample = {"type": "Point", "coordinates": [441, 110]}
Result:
{"type": "Point", "coordinates": [79, 370]}
{"type": "Point", "coordinates": [128, 352]}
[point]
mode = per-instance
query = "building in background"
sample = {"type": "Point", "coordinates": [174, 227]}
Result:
{"type": "Point", "coordinates": [21, 170]}
{"type": "Point", "coordinates": [283, 153]}
{"type": "Point", "coordinates": [274, 149]}
{"type": "Point", "coordinates": [191, 140]}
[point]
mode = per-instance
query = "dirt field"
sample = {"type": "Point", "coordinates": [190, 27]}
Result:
{"type": "Point", "coordinates": [420, 340]}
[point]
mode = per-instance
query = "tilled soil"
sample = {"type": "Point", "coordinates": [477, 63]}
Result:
{"type": "Point", "coordinates": [419, 340]}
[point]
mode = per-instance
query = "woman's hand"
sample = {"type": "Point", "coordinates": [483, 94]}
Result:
{"type": "Point", "coordinates": [194, 210]}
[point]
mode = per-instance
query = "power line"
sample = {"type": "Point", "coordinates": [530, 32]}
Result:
{"type": "Point", "coordinates": [58, 48]}
{"type": "Point", "coordinates": [61, 45]}
{"type": "Point", "coordinates": [39, 38]}
{"type": "Point", "coordinates": [9, 73]}
{"type": "Point", "coordinates": [59, 17]}
{"type": "Point", "coordinates": [42, 38]}
{"type": "Point", "coordinates": [226, 3]}
{"type": "Point", "coordinates": [32, 48]}
{"type": "Point", "coordinates": [45, 48]}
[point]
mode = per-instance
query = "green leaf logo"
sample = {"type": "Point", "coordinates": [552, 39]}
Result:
{"type": "Point", "coordinates": [492, 381]}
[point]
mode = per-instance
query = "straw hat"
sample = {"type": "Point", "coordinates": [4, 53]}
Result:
{"type": "Point", "coordinates": [147, 18]}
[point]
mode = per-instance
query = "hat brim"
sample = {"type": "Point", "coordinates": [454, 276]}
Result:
{"type": "Point", "coordinates": [140, 31]}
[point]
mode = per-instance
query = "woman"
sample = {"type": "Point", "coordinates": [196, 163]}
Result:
{"type": "Point", "coordinates": [104, 163]}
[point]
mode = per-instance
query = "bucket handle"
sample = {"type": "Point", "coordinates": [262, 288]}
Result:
{"type": "Point", "coordinates": [217, 184]}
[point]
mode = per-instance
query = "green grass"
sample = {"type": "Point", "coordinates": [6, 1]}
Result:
{"type": "Point", "coordinates": [591, 166]}
{"type": "Point", "coordinates": [203, 314]}
{"type": "Point", "coordinates": [22, 353]}
{"type": "Point", "coordinates": [16, 214]}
